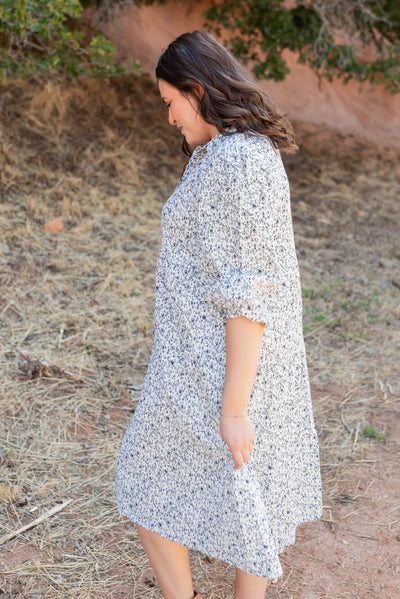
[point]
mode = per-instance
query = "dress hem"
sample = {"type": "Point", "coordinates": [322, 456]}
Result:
{"type": "Point", "coordinates": [201, 549]}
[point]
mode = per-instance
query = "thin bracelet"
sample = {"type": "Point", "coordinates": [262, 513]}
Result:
{"type": "Point", "coordinates": [234, 415]}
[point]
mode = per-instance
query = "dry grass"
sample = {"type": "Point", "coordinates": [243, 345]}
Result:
{"type": "Point", "coordinates": [101, 158]}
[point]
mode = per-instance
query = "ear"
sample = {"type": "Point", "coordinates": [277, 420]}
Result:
{"type": "Point", "coordinates": [198, 90]}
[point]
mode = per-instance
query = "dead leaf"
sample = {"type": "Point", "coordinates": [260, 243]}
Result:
{"type": "Point", "coordinates": [54, 226]}
{"type": "Point", "coordinates": [33, 368]}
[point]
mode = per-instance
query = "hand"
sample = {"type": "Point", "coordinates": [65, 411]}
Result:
{"type": "Point", "coordinates": [238, 434]}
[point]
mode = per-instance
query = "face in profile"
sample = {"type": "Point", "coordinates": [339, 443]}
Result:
{"type": "Point", "coordinates": [183, 113]}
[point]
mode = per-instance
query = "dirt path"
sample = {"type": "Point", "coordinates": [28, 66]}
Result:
{"type": "Point", "coordinates": [354, 551]}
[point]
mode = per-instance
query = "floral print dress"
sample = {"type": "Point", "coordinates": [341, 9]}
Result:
{"type": "Point", "coordinates": [227, 250]}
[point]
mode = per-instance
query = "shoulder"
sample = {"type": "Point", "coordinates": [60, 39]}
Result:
{"type": "Point", "coordinates": [243, 151]}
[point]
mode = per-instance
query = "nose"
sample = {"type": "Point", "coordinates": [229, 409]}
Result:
{"type": "Point", "coordinates": [171, 118]}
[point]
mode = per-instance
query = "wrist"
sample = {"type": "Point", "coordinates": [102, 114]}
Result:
{"type": "Point", "coordinates": [234, 406]}
{"type": "Point", "coordinates": [233, 415]}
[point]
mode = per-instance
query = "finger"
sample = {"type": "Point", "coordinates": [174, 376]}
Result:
{"type": "Point", "coordinates": [247, 451]}
{"type": "Point", "coordinates": [238, 459]}
{"type": "Point", "coordinates": [246, 456]}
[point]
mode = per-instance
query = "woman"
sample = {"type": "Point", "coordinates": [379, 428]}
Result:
{"type": "Point", "coordinates": [221, 454]}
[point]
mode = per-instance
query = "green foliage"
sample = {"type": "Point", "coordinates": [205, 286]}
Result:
{"type": "Point", "coordinates": [260, 30]}
{"type": "Point", "coordinates": [46, 38]}
{"type": "Point", "coordinates": [372, 433]}
{"type": "Point", "coordinates": [325, 320]}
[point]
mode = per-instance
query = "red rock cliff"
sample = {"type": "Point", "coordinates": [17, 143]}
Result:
{"type": "Point", "coordinates": [142, 34]}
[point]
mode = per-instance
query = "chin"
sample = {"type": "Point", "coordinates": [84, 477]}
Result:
{"type": "Point", "coordinates": [195, 141]}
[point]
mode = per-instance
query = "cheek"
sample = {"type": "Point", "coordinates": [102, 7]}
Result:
{"type": "Point", "coordinates": [189, 111]}
{"type": "Point", "coordinates": [196, 121]}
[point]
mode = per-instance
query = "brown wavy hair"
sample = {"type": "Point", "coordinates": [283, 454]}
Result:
{"type": "Point", "coordinates": [231, 100]}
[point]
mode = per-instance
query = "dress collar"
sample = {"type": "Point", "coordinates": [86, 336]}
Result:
{"type": "Point", "coordinates": [201, 150]}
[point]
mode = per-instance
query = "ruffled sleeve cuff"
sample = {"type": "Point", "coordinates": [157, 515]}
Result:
{"type": "Point", "coordinates": [243, 294]}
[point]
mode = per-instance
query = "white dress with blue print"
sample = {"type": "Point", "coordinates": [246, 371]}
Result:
{"type": "Point", "coordinates": [227, 250]}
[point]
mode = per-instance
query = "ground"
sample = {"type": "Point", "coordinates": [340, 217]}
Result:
{"type": "Point", "coordinates": [77, 309]}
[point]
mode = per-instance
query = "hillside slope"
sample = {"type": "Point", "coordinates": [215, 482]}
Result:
{"type": "Point", "coordinates": [77, 308]}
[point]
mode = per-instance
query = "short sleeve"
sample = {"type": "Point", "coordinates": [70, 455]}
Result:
{"type": "Point", "coordinates": [247, 231]}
